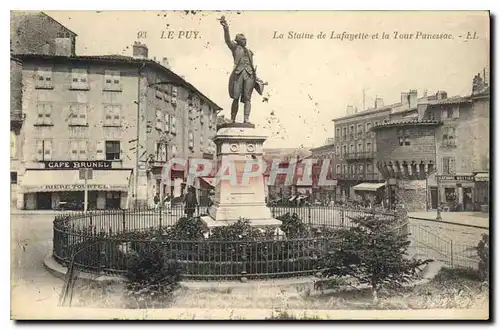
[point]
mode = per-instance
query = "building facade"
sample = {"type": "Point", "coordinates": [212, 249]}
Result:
{"type": "Point", "coordinates": [440, 158]}
{"type": "Point", "coordinates": [325, 152]}
{"type": "Point", "coordinates": [32, 32]}
{"type": "Point", "coordinates": [355, 148]}
{"type": "Point", "coordinates": [125, 117]}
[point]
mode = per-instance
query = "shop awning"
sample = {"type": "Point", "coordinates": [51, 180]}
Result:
{"type": "Point", "coordinates": [69, 180]}
{"type": "Point", "coordinates": [369, 186]}
{"type": "Point", "coordinates": [482, 177]}
{"type": "Point", "coordinates": [209, 181]}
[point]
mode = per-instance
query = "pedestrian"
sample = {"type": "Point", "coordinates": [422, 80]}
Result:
{"type": "Point", "coordinates": [190, 202]}
{"type": "Point", "coordinates": [156, 200]}
{"type": "Point", "coordinates": [167, 203]}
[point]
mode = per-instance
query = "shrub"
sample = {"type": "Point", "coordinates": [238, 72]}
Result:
{"type": "Point", "coordinates": [373, 252]}
{"type": "Point", "coordinates": [483, 251]}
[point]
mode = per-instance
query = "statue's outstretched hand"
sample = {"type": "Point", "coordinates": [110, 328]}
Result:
{"type": "Point", "coordinates": [223, 22]}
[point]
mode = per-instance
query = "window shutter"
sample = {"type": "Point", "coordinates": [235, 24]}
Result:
{"type": "Point", "coordinates": [164, 152]}
{"type": "Point", "coordinates": [452, 166]}
{"type": "Point", "coordinates": [48, 150]}
{"type": "Point", "coordinates": [446, 165]}
{"type": "Point", "coordinates": [173, 128]}
{"type": "Point", "coordinates": [83, 114]}
{"type": "Point", "coordinates": [48, 114]}
{"type": "Point", "coordinates": [100, 150]}
{"type": "Point", "coordinates": [39, 150]}
{"type": "Point", "coordinates": [190, 140]}
{"type": "Point", "coordinates": [167, 122]}
{"type": "Point", "coordinates": [159, 124]}
{"type": "Point", "coordinates": [174, 95]}
{"type": "Point", "coordinates": [40, 109]}
{"type": "Point", "coordinates": [82, 150]}
{"type": "Point", "coordinates": [117, 116]}
{"type": "Point", "coordinates": [73, 147]}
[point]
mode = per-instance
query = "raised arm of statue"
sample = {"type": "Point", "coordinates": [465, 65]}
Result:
{"type": "Point", "coordinates": [227, 37]}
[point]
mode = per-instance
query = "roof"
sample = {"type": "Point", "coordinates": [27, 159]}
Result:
{"type": "Point", "coordinates": [326, 146]}
{"type": "Point", "coordinates": [40, 13]}
{"type": "Point", "coordinates": [63, 26]}
{"type": "Point", "coordinates": [369, 186]}
{"type": "Point", "coordinates": [121, 59]}
{"type": "Point", "coordinates": [414, 122]}
{"type": "Point", "coordinates": [451, 100]}
{"type": "Point", "coordinates": [368, 112]}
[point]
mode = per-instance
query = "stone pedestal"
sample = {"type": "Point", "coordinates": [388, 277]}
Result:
{"type": "Point", "coordinates": [236, 198]}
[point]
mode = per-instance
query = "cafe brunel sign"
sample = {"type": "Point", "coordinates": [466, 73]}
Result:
{"type": "Point", "coordinates": [76, 165]}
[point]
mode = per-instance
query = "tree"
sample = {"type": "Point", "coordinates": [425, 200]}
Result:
{"type": "Point", "coordinates": [483, 251]}
{"type": "Point", "coordinates": [373, 251]}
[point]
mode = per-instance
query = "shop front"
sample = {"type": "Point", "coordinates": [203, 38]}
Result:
{"type": "Point", "coordinates": [63, 189]}
{"type": "Point", "coordinates": [371, 193]}
{"type": "Point", "coordinates": [456, 192]}
{"type": "Point", "coordinates": [482, 192]}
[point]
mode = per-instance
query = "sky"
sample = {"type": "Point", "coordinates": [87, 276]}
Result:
{"type": "Point", "coordinates": [310, 81]}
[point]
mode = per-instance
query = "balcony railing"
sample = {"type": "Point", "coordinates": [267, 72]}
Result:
{"type": "Point", "coordinates": [359, 176]}
{"type": "Point", "coordinates": [359, 155]}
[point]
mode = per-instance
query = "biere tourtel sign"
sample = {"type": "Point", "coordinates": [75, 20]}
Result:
{"type": "Point", "coordinates": [75, 165]}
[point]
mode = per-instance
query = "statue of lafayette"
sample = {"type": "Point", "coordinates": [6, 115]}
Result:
{"type": "Point", "coordinates": [243, 79]}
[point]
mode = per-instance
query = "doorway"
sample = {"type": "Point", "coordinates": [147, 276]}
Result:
{"type": "Point", "coordinates": [44, 201]}
{"type": "Point", "coordinates": [434, 198]}
{"type": "Point", "coordinates": [467, 198]}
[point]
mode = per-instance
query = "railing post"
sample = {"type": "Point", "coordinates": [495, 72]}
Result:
{"type": "Point", "coordinates": [161, 211]}
{"type": "Point", "coordinates": [309, 214]}
{"type": "Point", "coordinates": [123, 220]}
{"type": "Point", "coordinates": [451, 253]}
{"type": "Point", "coordinates": [243, 278]}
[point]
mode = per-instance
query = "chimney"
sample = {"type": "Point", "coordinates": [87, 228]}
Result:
{"type": "Point", "coordinates": [140, 51]}
{"type": "Point", "coordinates": [379, 102]}
{"type": "Point", "coordinates": [63, 46]}
{"type": "Point", "coordinates": [441, 95]}
{"type": "Point", "coordinates": [349, 110]}
{"type": "Point", "coordinates": [404, 97]}
{"type": "Point", "coordinates": [165, 63]}
{"type": "Point", "coordinates": [413, 98]}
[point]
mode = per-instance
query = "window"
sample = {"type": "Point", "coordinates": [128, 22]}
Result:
{"type": "Point", "coordinates": [368, 146]}
{"type": "Point", "coordinates": [78, 150]}
{"type": "Point", "coordinates": [404, 137]}
{"type": "Point", "coordinates": [344, 132]}
{"type": "Point", "coordinates": [13, 143]}
{"type": "Point", "coordinates": [44, 114]}
{"type": "Point", "coordinates": [345, 169]}
{"type": "Point", "coordinates": [44, 78]}
{"type": "Point", "coordinates": [79, 79]}
{"type": "Point", "coordinates": [43, 150]}
{"type": "Point", "coordinates": [112, 80]}
{"type": "Point", "coordinates": [361, 169]}
{"type": "Point", "coordinates": [174, 95]}
{"type": "Point", "coordinates": [210, 119]}
{"type": "Point", "coordinates": [78, 114]}
{"type": "Point", "coordinates": [360, 129]}
{"type": "Point", "coordinates": [13, 177]}
{"type": "Point", "coordinates": [161, 152]}
{"type": "Point", "coordinates": [112, 113]}
{"type": "Point", "coordinates": [167, 123]}
{"type": "Point", "coordinates": [159, 120]}
{"type": "Point", "coordinates": [112, 150]}
{"type": "Point", "coordinates": [344, 152]}
{"type": "Point", "coordinates": [202, 118]}
{"type": "Point", "coordinates": [190, 140]}
{"type": "Point", "coordinates": [448, 165]}
{"type": "Point", "coordinates": [368, 126]}
{"type": "Point", "coordinates": [360, 147]}
{"type": "Point", "coordinates": [337, 150]}
{"type": "Point", "coordinates": [338, 169]}
{"type": "Point", "coordinates": [353, 169]}
{"type": "Point", "coordinates": [352, 130]}
{"type": "Point", "coordinates": [337, 132]}
{"type": "Point", "coordinates": [352, 149]}
{"type": "Point", "coordinates": [449, 136]}
{"type": "Point", "coordinates": [173, 129]}
{"type": "Point", "coordinates": [449, 112]}
{"type": "Point", "coordinates": [369, 169]}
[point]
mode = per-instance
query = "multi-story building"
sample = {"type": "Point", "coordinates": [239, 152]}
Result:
{"type": "Point", "coordinates": [31, 33]}
{"type": "Point", "coordinates": [440, 157]}
{"type": "Point", "coordinates": [355, 148]}
{"type": "Point", "coordinates": [122, 116]}
{"type": "Point", "coordinates": [324, 152]}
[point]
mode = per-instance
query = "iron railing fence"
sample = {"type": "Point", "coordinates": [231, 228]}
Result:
{"type": "Point", "coordinates": [110, 239]}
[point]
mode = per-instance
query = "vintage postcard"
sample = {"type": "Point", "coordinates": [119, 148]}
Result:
{"type": "Point", "coordinates": [243, 165]}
